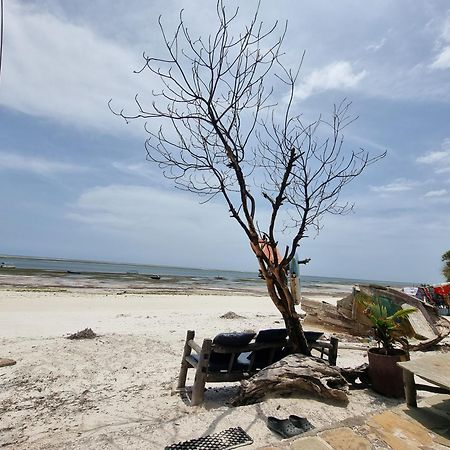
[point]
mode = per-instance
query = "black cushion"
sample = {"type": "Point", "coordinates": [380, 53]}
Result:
{"type": "Point", "coordinates": [312, 336]}
{"type": "Point", "coordinates": [234, 339]}
{"type": "Point", "coordinates": [221, 361]}
{"type": "Point", "coordinates": [262, 357]}
{"type": "Point", "coordinates": [272, 335]}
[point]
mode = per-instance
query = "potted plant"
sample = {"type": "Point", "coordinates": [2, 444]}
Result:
{"type": "Point", "coordinates": [386, 377]}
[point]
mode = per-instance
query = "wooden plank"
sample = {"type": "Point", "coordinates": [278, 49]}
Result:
{"type": "Point", "coordinates": [432, 368]}
{"type": "Point", "coordinates": [184, 364]}
{"type": "Point", "coordinates": [198, 389]}
{"type": "Point", "coordinates": [410, 388]}
{"type": "Point", "coordinates": [192, 361]}
{"type": "Point", "coordinates": [194, 346]}
{"type": "Point", "coordinates": [419, 324]}
{"type": "Point", "coordinates": [321, 344]}
{"type": "Point", "coordinates": [434, 389]}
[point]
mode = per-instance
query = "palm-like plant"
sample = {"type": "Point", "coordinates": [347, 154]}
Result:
{"type": "Point", "coordinates": [388, 328]}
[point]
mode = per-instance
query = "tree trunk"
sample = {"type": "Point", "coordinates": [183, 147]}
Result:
{"type": "Point", "coordinates": [296, 335]}
{"type": "Point", "coordinates": [281, 296]}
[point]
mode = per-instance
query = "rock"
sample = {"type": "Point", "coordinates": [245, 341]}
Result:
{"type": "Point", "coordinates": [87, 333]}
{"type": "Point", "coordinates": [292, 375]}
{"type": "Point", "coordinates": [6, 362]}
{"type": "Point", "coordinates": [231, 315]}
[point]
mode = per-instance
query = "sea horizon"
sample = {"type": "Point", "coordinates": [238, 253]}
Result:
{"type": "Point", "coordinates": [119, 267]}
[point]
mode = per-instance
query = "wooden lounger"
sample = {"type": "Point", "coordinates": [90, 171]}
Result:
{"type": "Point", "coordinates": [219, 363]}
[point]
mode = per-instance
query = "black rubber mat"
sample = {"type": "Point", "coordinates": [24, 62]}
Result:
{"type": "Point", "coordinates": [226, 439]}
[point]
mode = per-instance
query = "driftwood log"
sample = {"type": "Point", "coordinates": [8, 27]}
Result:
{"type": "Point", "coordinates": [357, 377]}
{"type": "Point", "coordinates": [294, 374]}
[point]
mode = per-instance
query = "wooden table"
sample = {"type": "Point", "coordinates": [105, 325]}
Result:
{"type": "Point", "coordinates": [433, 368]}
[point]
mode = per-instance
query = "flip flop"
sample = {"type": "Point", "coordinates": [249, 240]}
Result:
{"type": "Point", "coordinates": [284, 427]}
{"type": "Point", "coordinates": [301, 422]}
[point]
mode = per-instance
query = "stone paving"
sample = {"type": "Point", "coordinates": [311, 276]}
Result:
{"type": "Point", "coordinates": [426, 427]}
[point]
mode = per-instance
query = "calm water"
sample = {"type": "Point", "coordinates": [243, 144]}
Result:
{"type": "Point", "coordinates": [71, 272]}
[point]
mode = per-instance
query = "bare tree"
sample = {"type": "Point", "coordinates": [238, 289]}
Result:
{"type": "Point", "coordinates": [222, 133]}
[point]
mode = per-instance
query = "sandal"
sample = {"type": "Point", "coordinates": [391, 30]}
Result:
{"type": "Point", "coordinates": [283, 427]}
{"type": "Point", "coordinates": [301, 422]}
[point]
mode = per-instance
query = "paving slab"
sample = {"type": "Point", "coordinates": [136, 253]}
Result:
{"type": "Point", "coordinates": [401, 428]}
{"type": "Point", "coordinates": [345, 438]}
{"type": "Point", "coordinates": [399, 432]}
{"type": "Point", "coordinates": [310, 443]}
{"type": "Point", "coordinates": [440, 403]}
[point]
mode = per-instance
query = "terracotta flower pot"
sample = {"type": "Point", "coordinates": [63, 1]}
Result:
{"type": "Point", "coordinates": [386, 377]}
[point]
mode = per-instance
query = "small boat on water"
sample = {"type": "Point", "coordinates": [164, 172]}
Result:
{"type": "Point", "coordinates": [6, 266]}
{"type": "Point", "coordinates": [155, 277]}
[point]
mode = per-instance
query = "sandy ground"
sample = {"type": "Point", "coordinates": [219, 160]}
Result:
{"type": "Point", "coordinates": [114, 391]}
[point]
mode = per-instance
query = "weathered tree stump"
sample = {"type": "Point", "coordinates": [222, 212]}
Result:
{"type": "Point", "coordinates": [293, 374]}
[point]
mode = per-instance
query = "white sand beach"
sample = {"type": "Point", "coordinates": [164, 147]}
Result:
{"type": "Point", "coordinates": [114, 391]}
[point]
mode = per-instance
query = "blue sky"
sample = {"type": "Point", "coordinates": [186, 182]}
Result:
{"type": "Point", "coordinates": [74, 181]}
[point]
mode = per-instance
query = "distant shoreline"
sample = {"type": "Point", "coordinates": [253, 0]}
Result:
{"type": "Point", "coordinates": [62, 265]}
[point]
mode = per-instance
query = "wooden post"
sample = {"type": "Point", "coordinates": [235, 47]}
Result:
{"type": "Point", "coordinates": [198, 389]}
{"type": "Point", "coordinates": [410, 388]}
{"type": "Point", "coordinates": [333, 351]}
{"type": "Point", "coordinates": [184, 364]}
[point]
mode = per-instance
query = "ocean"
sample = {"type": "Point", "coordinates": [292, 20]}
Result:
{"type": "Point", "coordinates": [80, 273]}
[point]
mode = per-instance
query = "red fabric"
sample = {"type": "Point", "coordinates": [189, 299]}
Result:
{"type": "Point", "coordinates": [442, 290]}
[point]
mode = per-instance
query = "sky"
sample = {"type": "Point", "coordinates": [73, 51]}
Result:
{"type": "Point", "coordinates": [74, 181]}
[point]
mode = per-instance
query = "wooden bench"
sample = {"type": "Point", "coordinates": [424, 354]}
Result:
{"type": "Point", "coordinates": [233, 369]}
{"type": "Point", "coordinates": [432, 368]}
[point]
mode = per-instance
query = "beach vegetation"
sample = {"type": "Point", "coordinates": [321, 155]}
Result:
{"type": "Point", "coordinates": [388, 327]}
{"type": "Point", "coordinates": [225, 123]}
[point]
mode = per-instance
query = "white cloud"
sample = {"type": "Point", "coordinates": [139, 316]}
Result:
{"type": "Point", "coordinates": [442, 61]}
{"type": "Point", "coordinates": [170, 227]}
{"type": "Point", "coordinates": [123, 206]}
{"type": "Point", "coordinates": [142, 169]}
{"type": "Point", "coordinates": [39, 166]}
{"type": "Point", "coordinates": [399, 185]}
{"type": "Point", "coordinates": [56, 69]}
{"type": "Point", "coordinates": [439, 159]}
{"type": "Point", "coordinates": [338, 75]}
{"type": "Point", "coordinates": [437, 193]}
{"type": "Point", "coordinates": [375, 46]}
{"type": "Point", "coordinates": [434, 157]}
